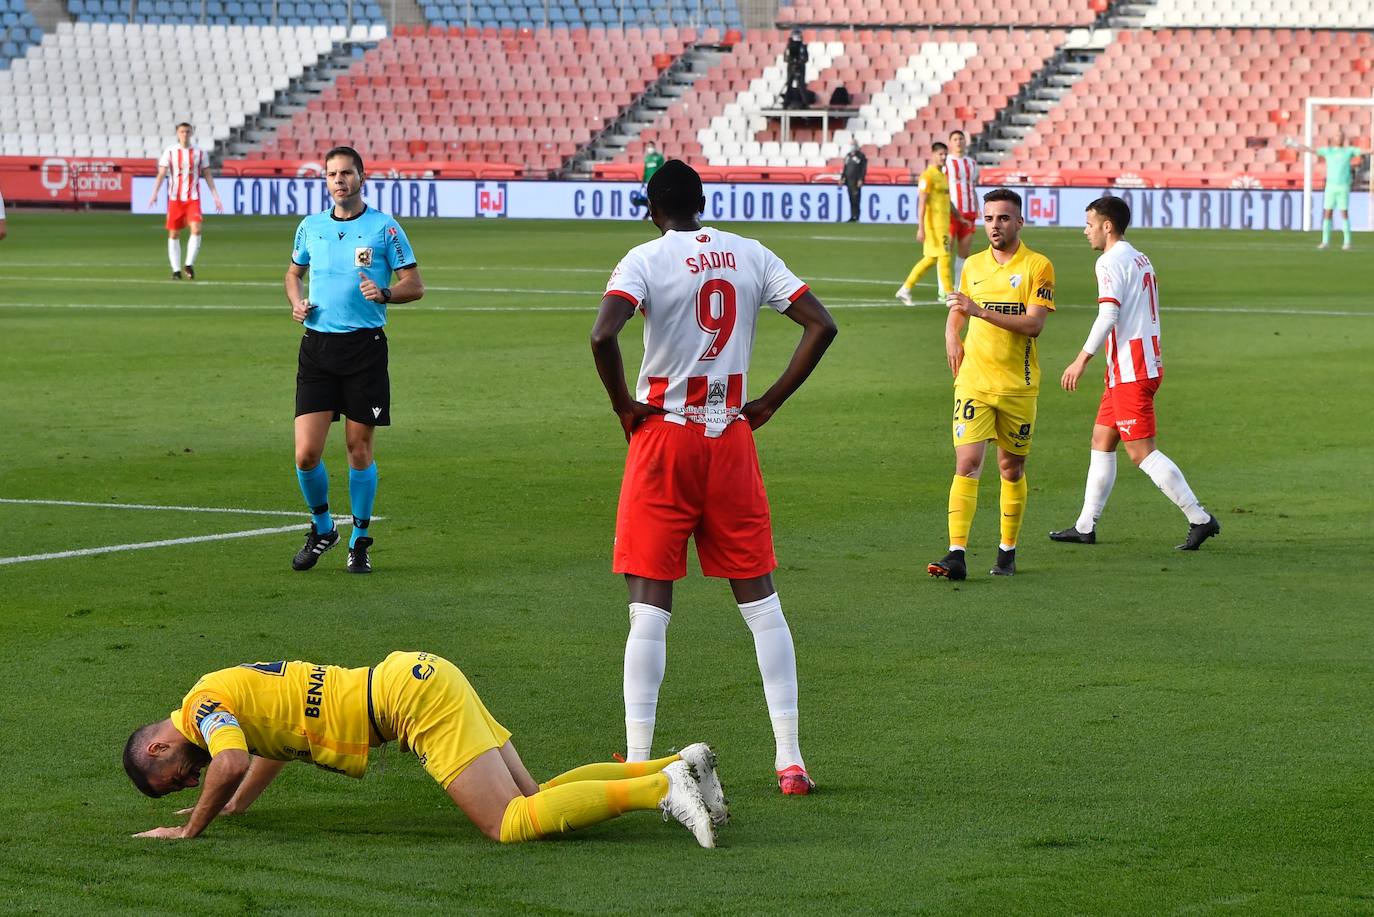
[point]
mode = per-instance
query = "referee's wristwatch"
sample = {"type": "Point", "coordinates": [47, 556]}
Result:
{"type": "Point", "coordinates": [386, 294]}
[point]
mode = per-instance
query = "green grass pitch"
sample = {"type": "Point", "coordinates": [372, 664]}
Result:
{"type": "Point", "coordinates": [1119, 729]}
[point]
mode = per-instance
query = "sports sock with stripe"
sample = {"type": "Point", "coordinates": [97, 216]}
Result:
{"type": "Point", "coordinates": [609, 770]}
{"type": "Point", "coordinates": [362, 492]}
{"type": "Point", "coordinates": [315, 488]}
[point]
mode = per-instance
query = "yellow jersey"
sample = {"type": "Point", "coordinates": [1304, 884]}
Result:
{"type": "Point", "coordinates": [997, 361]}
{"type": "Point", "coordinates": [936, 188]}
{"type": "Point", "coordinates": [285, 711]}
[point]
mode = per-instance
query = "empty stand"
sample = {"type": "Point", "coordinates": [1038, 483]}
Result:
{"type": "Point", "coordinates": [927, 13]}
{"type": "Point", "coordinates": [528, 98]}
{"type": "Point", "coordinates": [910, 88]}
{"type": "Point", "coordinates": [18, 31]}
{"type": "Point", "coordinates": [229, 12]}
{"type": "Point", "coordinates": [1312, 14]}
{"type": "Point", "coordinates": [534, 14]}
{"type": "Point", "coordinates": [148, 77]}
{"type": "Point", "coordinates": [1200, 100]}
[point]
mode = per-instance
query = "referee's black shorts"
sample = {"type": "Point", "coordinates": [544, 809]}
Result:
{"type": "Point", "coordinates": [346, 374]}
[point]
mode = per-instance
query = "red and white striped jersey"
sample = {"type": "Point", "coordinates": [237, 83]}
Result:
{"type": "Point", "coordinates": [1126, 277]}
{"type": "Point", "coordinates": [962, 173]}
{"type": "Point", "coordinates": [184, 166]}
{"type": "Point", "coordinates": [700, 293]}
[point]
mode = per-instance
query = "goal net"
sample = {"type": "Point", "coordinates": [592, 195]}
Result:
{"type": "Point", "coordinates": [1324, 120]}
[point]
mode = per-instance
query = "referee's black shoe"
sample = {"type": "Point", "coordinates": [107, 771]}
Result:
{"type": "Point", "coordinates": [358, 561]}
{"type": "Point", "coordinates": [1199, 533]}
{"type": "Point", "coordinates": [190, 272]}
{"type": "Point", "coordinates": [1006, 563]}
{"type": "Point", "coordinates": [951, 566]}
{"type": "Point", "coordinates": [176, 275]}
{"type": "Point", "coordinates": [1073, 536]}
{"type": "Point", "coordinates": [315, 545]}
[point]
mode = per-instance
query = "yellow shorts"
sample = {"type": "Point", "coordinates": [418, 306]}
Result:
{"type": "Point", "coordinates": [1009, 419]}
{"type": "Point", "coordinates": [424, 701]}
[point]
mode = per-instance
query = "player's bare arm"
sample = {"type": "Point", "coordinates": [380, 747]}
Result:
{"type": "Point", "coordinates": [1074, 371]}
{"type": "Point", "coordinates": [954, 339]}
{"type": "Point", "coordinates": [818, 330]}
{"type": "Point", "coordinates": [408, 287]}
{"type": "Point", "coordinates": [921, 216]}
{"type": "Point", "coordinates": [295, 291]}
{"type": "Point", "coordinates": [222, 778]}
{"type": "Point", "coordinates": [210, 181]}
{"type": "Point", "coordinates": [157, 185]}
{"type": "Point", "coordinates": [261, 773]}
{"type": "Point", "coordinates": [615, 311]}
{"type": "Point", "coordinates": [1029, 324]}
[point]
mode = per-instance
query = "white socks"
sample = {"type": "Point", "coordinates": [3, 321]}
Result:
{"type": "Point", "coordinates": [1169, 479]}
{"type": "Point", "coordinates": [174, 253]}
{"type": "Point", "coordinates": [193, 249]}
{"type": "Point", "coordinates": [778, 666]}
{"type": "Point", "coordinates": [1101, 477]}
{"type": "Point", "coordinates": [646, 657]}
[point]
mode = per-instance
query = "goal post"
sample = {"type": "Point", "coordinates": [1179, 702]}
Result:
{"type": "Point", "coordinates": [1308, 138]}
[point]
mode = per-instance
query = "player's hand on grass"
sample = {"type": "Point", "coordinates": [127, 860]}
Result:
{"type": "Point", "coordinates": [300, 310]}
{"type": "Point", "coordinates": [636, 414]}
{"type": "Point", "coordinates": [164, 833]}
{"type": "Point", "coordinates": [370, 290]}
{"type": "Point", "coordinates": [1073, 372]}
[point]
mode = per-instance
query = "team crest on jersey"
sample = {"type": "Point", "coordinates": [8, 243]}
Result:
{"type": "Point", "coordinates": [1014, 280]}
{"type": "Point", "coordinates": [362, 257]}
{"type": "Point", "coordinates": [715, 395]}
{"type": "Point", "coordinates": [703, 238]}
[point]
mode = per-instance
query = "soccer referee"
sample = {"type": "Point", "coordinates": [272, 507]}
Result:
{"type": "Point", "coordinates": [342, 369]}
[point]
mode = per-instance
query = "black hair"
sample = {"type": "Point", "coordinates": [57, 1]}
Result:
{"type": "Point", "coordinates": [1112, 208]}
{"type": "Point", "coordinates": [136, 761]}
{"type": "Point", "coordinates": [1003, 194]}
{"type": "Point", "coordinates": [938, 147]}
{"type": "Point", "coordinates": [345, 151]}
{"type": "Point", "coordinates": [675, 190]}
{"type": "Point", "coordinates": [959, 132]}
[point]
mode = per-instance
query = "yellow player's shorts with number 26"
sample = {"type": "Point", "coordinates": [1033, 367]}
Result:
{"type": "Point", "coordinates": [1009, 419]}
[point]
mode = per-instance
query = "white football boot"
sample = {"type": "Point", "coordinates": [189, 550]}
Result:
{"type": "Point", "coordinates": [683, 803]}
{"type": "Point", "coordinates": [701, 760]}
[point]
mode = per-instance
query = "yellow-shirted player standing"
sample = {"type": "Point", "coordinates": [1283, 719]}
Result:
{"type": "Point", "coordinates": [1008, 291]}
{"type": "Point", "coordinates": [932, 225]}
{"type": "Point", "coordinates": [247, 722]}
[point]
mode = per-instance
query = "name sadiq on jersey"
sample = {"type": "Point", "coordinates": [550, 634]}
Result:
{"type": "Point", "coordinates": [708, 260]}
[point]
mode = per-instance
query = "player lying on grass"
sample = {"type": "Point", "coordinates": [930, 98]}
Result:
{"type": "Point", "coordinates": [246, 722]}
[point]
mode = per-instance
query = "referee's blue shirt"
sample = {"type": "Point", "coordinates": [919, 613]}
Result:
{"type": "Point", "coordinates": [336, 251]}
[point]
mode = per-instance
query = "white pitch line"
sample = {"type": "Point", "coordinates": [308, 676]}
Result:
{"type": "Point", "coordinates": [155, 506]}
{"type": "Point", "coordinates": [167, 542]}
{"type": "Point", "coordinates": [591, 307]}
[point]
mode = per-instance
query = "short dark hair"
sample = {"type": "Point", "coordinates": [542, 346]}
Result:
{"type": "Point", "coordinates": [186, 124]}
{"type": "Point", "coordinates": [1002, 194]}
{"type": "Point", "coordinates": [345, 151]}
{"type": "Point", "coordinates": [1112, 208]}
{"type": "Point", "coordinates": [136, 759]}
{"type": "Point", "coordinates": [959, 133]}
{"type": "Point", "coordinates": [675, 190]}
{"type": "Point", "coordinates": [938, 147]}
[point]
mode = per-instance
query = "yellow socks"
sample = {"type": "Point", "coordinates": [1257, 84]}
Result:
{"type": "Point", "coordinates": [946, 270]}
{"type": "Point", "coordinates": [565, 808]}
{"type": "Point", "coordinates": [609, 770]}
{"type": "Point", "coordinates": [1013, 509]}
{"type": "Point", "coordinates": [963, 501]}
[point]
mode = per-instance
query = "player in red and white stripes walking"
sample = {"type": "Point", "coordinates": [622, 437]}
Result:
{"type": "Point", "coordinates": [183, 165]}
{"type": "Point", "coordinates": [692, 470]}
{"type": "Point", "coordinates": [961, 170]}
{"type": "Point", "coordinates": [1128, 324]}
